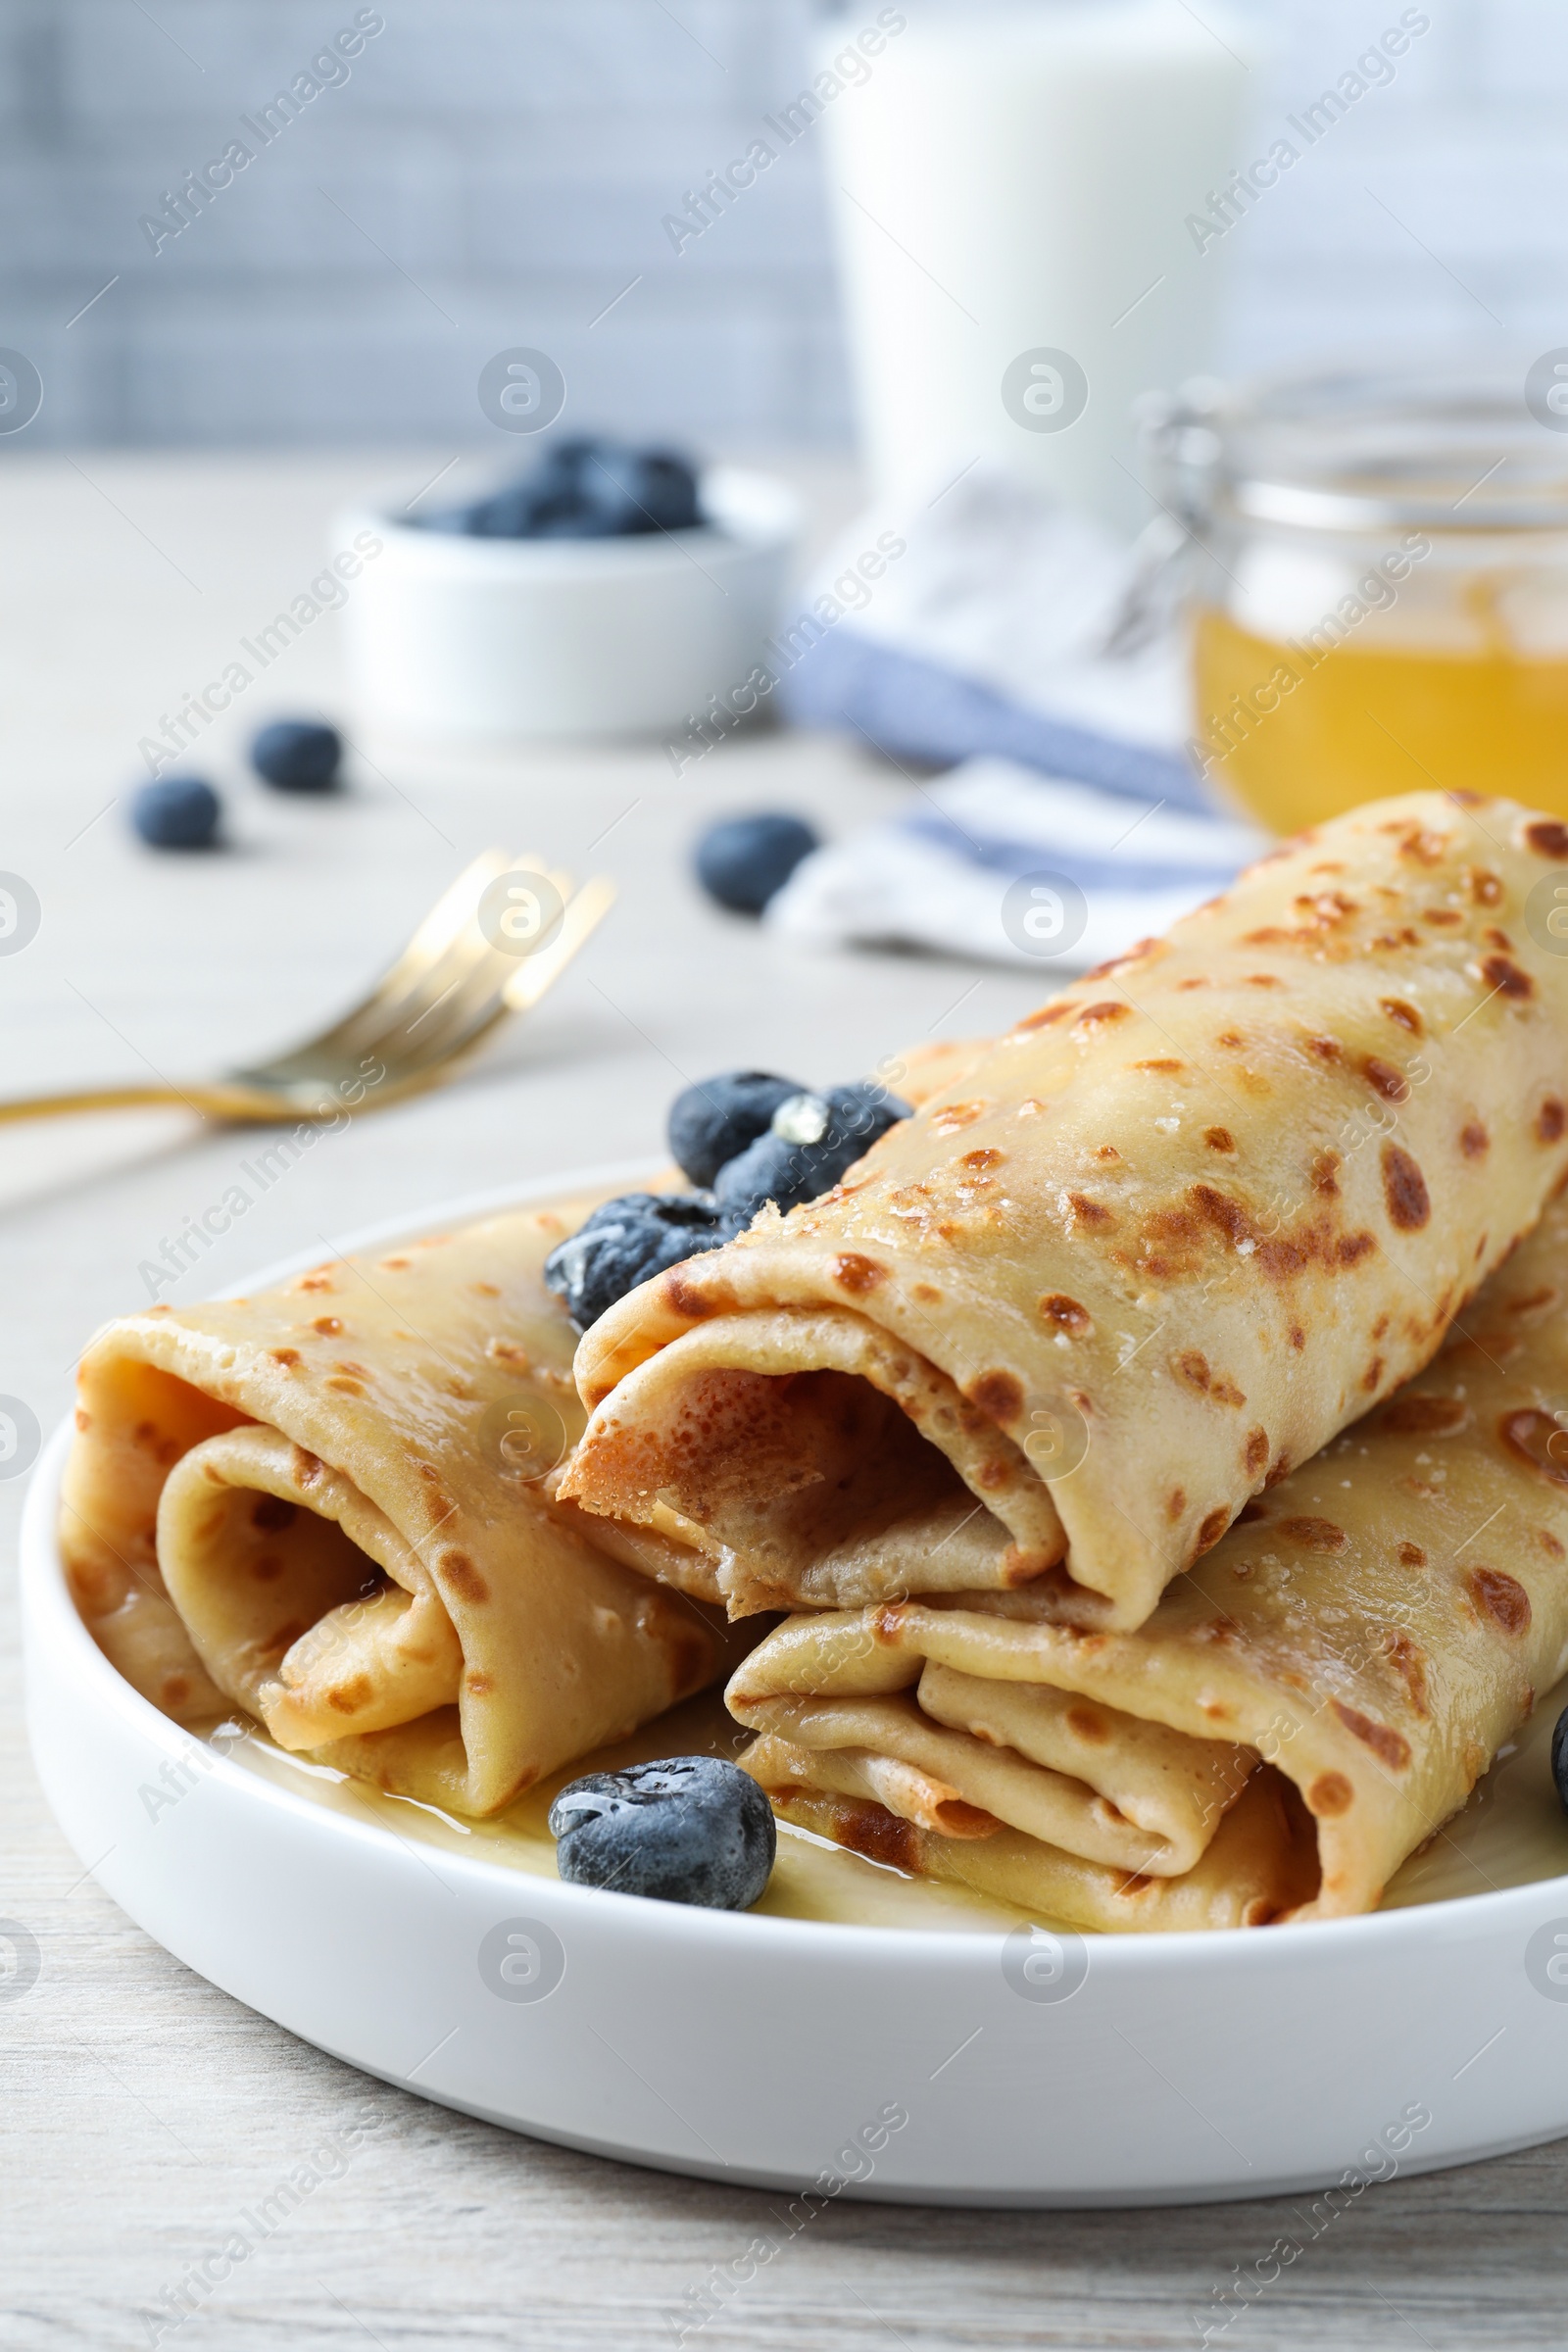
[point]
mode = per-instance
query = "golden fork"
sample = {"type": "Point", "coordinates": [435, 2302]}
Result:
{"type": "Point", "coordinates": [489, 947]}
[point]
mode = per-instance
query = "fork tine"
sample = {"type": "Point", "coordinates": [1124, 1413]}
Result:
{"type": "Point", "coordinates": [467, 976]}
{"type": "Point", "coordinates": [471, 999]}
{"type": "Point", "coordinates": [469, 1018]}
{"type": "Point", "coordinates": [439, 934]}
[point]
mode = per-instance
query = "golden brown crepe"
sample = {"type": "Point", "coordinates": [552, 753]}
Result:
{"type": "Point", "coordinates": [324, 1504]}
{"type": "Point", "coordinates": [1147, 1256]}
{"type": "Point", "coordinates": [1303, 1708]}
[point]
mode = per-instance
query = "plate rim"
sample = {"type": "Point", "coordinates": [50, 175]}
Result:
{"type": "Point", "coordinates": [49, 1612]}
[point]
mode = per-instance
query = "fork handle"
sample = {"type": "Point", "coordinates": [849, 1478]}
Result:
{"type": "Point", "coordinates": [206, 1101]}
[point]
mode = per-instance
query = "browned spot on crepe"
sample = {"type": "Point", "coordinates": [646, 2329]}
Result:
{"type": "Point", "coordinates": [1405, 1015]}
{"type": "Point", "coordinates": [1549, 837]}
{"type": "Point", "coordinates": [1192, 1367]}
{"type": "Point", "coordinates": [1390, 1083]}
{"type": "Point", "coordinates": [1504, 978]}
{"type": "Point", "coordinates": [1389, 1746]}
{"type": "Point", "coordinates": [1499, 1596]}
{"type": "Point", "coordinates": [998, 1395]}
{"type": "Point", "coordinates": [1111, 1009]}
{"type": "Point", "coordinates": [1311, 1535]}
{"type": "Point", "coordinates": [1330, 1796]}
{"type": "Point", "coordinates": [1067, 1315]}
{"type": "Point", "coordinates": [1550, 1120]}
{"type": "Point", "coordinates": [1530, 1434]}
{"type": "Point", "coordinates": [464, 1577]}
{"type": "Point", "coordinates": [1405, 1189]}
{"type": "Point", "coordinates": [858, 1274]}
{"type": "Point", "coordinates": [1423, 1415]}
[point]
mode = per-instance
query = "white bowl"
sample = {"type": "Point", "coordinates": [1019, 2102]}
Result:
{"type": "Point", "coordinates": [452, 636]}
{"type": "Point", "coordinates": [1027, 2069]}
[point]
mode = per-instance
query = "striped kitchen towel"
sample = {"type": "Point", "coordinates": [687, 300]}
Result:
{"type": "Point", "coordinates": [998, 862]}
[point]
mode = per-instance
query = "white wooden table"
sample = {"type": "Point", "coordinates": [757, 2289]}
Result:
{"type": "Point", "coordinates": [144, 2112]}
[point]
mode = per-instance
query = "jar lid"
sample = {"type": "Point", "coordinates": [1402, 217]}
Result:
{"type": "Point", "coordinates": [1346, 450]}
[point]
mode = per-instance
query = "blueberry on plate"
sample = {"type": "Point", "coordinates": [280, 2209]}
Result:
{"type": "Point", "coordinates": [298, 755]}
{"type": "Point", "coordinates": [1559, 1759]}
{"type": "Point", "coordinates": [627, 1241]}
{"type": "Point", "coordinates": [686, 1830]}
{"type": "Point", "coordinates": [811, 1141]}
{"type": "Point", "coordinates": [743, 861]}
{"type": "Point", "coordinates": [177, 813]}
{"type": "Point", "coordinates": [713, 1121]}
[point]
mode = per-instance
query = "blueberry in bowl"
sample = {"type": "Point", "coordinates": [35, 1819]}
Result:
{"type": "Point", "coordinates": [713, 1121]}
{"type": "Point", "coordinates": [177, 813]}
{"type": "Point", "coordinates": [586, 487]}
{"type": "Point", "coordinates": [685, 1829]}
{"type": "Point", "coordinates": [626, 1242]}
{"type": "Point", "coordinates": [743, 862]}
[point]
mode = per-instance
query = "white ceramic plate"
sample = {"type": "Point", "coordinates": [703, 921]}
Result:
{"type": "Point", "coordinates": [860, 2034]}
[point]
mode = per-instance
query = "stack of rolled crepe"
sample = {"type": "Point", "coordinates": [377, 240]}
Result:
{"type": "Point", "coordinates": [324, 1504]}
{"type": "Point", "coordinates": [1119, 1286]}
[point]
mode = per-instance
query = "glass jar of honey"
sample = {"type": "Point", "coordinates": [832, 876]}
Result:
{"type": "Point", "coordinates": [1378, 587]}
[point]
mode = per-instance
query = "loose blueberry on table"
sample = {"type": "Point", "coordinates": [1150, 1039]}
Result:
{"type": "Point", "coordinates": [587, 487]}
{"type": "Point", "coordinates": [743, 862]}
{"type": "Point", "coordinates": [298, 755]}
{"type": "Point", "coordinates": [177, 813]}
{"type": "Point", "coordinates": [744, 1138]}
{"type": "Point", "coordinates": [686, 1830]}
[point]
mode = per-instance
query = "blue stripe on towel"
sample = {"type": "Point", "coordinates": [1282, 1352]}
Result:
{"type": "Point", "coordinates": [912, 710]}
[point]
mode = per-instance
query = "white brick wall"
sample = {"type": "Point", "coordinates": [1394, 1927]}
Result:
{"type": "Point", "coordinates": [512, 159]}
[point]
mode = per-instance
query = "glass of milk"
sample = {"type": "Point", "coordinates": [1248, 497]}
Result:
{"type": "Point", "coordinates": [1011, 182]}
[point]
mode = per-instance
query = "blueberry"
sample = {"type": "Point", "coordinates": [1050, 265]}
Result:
{"type": "Point", "coordinates": [686, 1830]}
{"type": "Point", "coordinates": [813, 1139]}
{"type": "Point", "coordinates": [743, 861]}
{"type": "Point", "coordinates": [178, 813]}
{"type": "Point", "coordinates": [1559, 1757]}
{"type": "Point", "coordinates": [625, 1242]}
{"type": "Point", "coordinates": [710, 1123]}
{"type": "Point", "coordinates": [298, 755]}
{"type": "Point", "coordinates": [585, 487]}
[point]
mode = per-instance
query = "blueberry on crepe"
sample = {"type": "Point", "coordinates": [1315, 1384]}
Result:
{"type": "Point", "coordinates": [811, 1141]}
{"type": "Point", "coordinates": [713, 1121]}
{"type": "Point", "coordinates": [625, 1242]}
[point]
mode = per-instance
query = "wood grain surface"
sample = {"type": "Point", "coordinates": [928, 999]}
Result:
{"type": "Point", "coordinates": [145, 2114]}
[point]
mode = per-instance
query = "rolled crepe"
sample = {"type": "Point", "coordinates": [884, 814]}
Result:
{"type": "Point", "coordinates": [1301, 1712]}
{"type": "Point", "coordinates": [324, 1504]}
{"type": "Point", "coordinates": [1141, 1261]}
